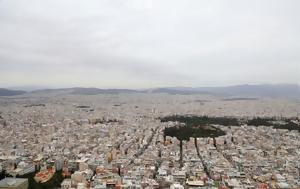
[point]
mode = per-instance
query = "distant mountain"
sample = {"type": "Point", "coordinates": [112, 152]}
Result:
{"type": "Point", "coordinates": [95, 91]}
{"type": "Point", "coordinates": [53, 91]}
{"type": "Point", "coordinates": [85, 91]}
{"type": "Point", "coordinates": [178, 90]}
{"type": "Point", "coordinates": [8, 92]}
{"type": "Point", "coordinates": [284, 90]}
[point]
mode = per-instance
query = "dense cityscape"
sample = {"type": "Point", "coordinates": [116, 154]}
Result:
{"type": "Point", "coordinates": [50, 140]}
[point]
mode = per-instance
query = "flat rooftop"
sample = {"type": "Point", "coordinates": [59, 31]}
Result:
{"type": "Point", "coordinates": [13, 183]}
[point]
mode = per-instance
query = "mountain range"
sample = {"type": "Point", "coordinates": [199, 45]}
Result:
{"type": "Point", "coordinates": [280, 90]}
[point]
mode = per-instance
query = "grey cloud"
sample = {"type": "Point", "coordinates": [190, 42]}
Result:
{"type": "Point", "coordinates": [148, 43]}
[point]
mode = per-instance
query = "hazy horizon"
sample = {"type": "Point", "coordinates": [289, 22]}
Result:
{"type": "Point", "coordinates": [34, 88]}
{"type": "Point", "coordinates": [148, 44]}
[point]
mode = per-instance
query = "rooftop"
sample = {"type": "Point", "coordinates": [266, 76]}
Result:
{"type": "Point", "coordinates": [13, 182]}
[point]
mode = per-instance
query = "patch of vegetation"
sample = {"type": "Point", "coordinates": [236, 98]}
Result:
{"type": "Point", "coordinates": [196, 127]}
{"type": "Point", "coordinates": [203, 126]}
{"type": "Point", "coordinates": [83, 106]}
{"type": "Point", "coordinates": [34, 105]}
{"type": "Point", "coordinates": [187, 131]}
{"type": "Point", "coordinates": [277, 123]}
{"type": "Point", "coordinates": [192, 120]}
{"type": "Point", "coordinates": [258, 121]}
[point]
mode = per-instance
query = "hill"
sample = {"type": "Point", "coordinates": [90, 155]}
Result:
{"type": "Point", "coordinates": [8, 92]}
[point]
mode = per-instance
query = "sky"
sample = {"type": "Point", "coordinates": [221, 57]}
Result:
{"type": "Point", "coordinates": [149, 43]}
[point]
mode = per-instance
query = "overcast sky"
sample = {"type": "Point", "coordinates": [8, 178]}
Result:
{"type": "Point", "coordinates": [149, 43]}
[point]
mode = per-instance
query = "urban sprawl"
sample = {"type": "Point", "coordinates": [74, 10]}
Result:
{"type": "Point", "coordinates": [118, 141]}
